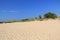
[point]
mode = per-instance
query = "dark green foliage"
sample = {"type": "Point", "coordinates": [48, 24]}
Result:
{"type": "Point", "coordinates": [1, 22]}
{"type": "Point", "coordinates": [23, 20]}
{"type": "Point", "coordinates": [50, 15]}
{"type": "Point", "coordinates": [9, 22]}
{"type": "Point", "coordinates": [38, 18]}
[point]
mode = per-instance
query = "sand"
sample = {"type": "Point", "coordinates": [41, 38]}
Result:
{"type": "Point", "coordinates": [34, 30]}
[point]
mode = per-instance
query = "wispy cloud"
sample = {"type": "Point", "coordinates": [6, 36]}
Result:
{"type": "Point", "coordinates": [10, 11]}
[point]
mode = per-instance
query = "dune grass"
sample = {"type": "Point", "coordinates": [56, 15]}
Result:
{"type": "Point", "coordinates": [47, 16]}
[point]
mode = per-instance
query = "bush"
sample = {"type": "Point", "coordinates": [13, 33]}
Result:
{"type": "Point", "coordinates": [38, 18]}
{"type": "Point", "coordinates": [24, 20]}
{"type": "Point", "coordinates": [1, 22]}
{"type": "Point", "coordinates": [50, 15]}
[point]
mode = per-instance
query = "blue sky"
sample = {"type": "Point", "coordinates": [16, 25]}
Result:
{"type": "Point", "coordinates": [21, 9]}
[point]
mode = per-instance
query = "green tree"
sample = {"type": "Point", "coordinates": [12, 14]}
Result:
{"type": "Point", "coordinates": [38, 18]}
{"type": "Point", "coordinates": [50, 15]}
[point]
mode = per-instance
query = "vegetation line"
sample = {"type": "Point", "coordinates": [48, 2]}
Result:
{"type": "Point", "coordinates": [47, 16]}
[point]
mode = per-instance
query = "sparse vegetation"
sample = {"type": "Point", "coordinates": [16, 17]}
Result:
{"type": "Point", "coordinates": [48, 15]}
{"type": "Point", "coordinates": [39, 18]}
{"type": "Point", "coordinates": [1, 22]}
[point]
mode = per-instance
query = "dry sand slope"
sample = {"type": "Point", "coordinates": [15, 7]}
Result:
{"type": "Point", "coordinates": [35, 30]}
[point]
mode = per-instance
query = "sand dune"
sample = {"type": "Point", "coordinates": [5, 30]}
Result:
{"type": "Point", "coordinates": [35, 30]}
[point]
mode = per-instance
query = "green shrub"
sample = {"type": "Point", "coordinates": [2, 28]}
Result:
{"type": "Point", "coordinates": [50, 15]}
{"type": "Point", "coordinates": [38, 18]}
{"type": "Point", "coordinates": [1, 22]}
